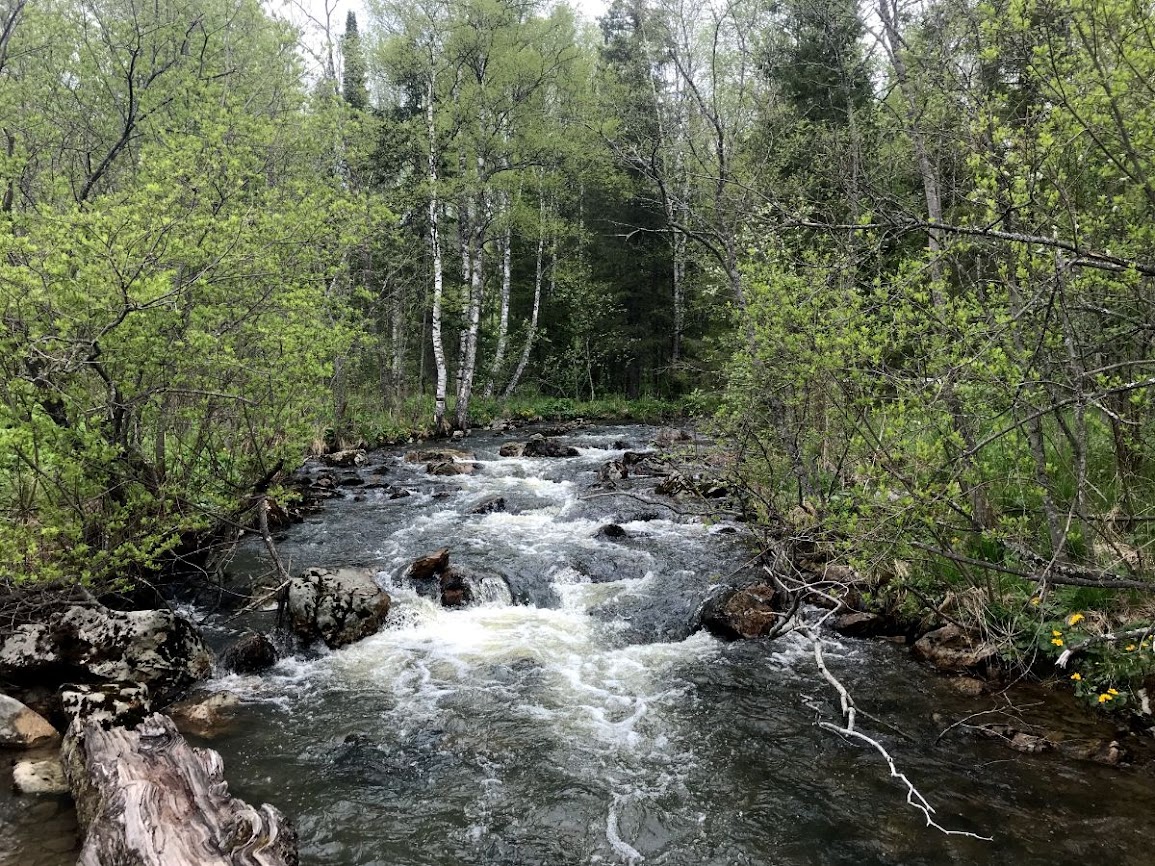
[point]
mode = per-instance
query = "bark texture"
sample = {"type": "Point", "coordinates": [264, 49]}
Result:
{"type": "Point", "coordinates": [145, 797]}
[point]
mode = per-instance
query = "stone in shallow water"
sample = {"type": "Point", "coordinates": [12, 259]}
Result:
{"type": "Point", "coordinates": [43, 777]}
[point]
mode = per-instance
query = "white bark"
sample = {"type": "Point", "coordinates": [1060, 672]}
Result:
{"type": "Point", "coordinates": [538, 275]}
{"type": "Point", "coordinates": [439, 422]}
{"type": "Point", "coordinates": [503, 320]}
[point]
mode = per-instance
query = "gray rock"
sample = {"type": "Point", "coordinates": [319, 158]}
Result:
{"type": "Point", "coordinates": [89, 642]}
{"type": "Point", "coordinates": [338, 607]}
{"type": "Point", "coordinates": [43, 777]}
{"type": "Point", "coordinates": [112, 705]}
{"type": "Point", "coordinates": [346, 459]}
{"type": "Point", "coordinates": [22, 728]}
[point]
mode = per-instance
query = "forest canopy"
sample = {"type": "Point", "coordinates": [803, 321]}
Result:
{"type": "Point", "coordinates": [902, 252]}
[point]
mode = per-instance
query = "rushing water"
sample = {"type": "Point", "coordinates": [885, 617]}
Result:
{"type": "Point", "coordinates": [576, 720]}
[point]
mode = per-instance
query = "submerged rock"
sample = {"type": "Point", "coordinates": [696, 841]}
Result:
{"type": "Point", "coordinates": [88, 643]}
{"type": "Point", "coordinates": [250, 654]}
{"type": "Point", "coordinates": [338, 607]}
{"type": "Point", "coordinates": [23, 728]}
{"type": "Point", "coordinates": [745, 612]}
{"type": "Point", "coordinates": [613, 530]}
{"type": "Point", "coordinates": [205, 716]}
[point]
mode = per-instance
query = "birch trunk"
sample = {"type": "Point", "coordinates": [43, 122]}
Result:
{"type": "Point", "coordinates": [538, 274]}
{"type": "Point", "coordinates": [503, 321]}
{"type": "Point", "coordinates": [439, 422]}
{"type": "Point", "coordinates": [476, 293]}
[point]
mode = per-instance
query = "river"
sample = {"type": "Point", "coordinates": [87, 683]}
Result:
{"type": "Point", "coordinates": [576, 720]}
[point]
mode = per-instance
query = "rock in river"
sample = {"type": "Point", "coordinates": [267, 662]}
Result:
{"type": "Point", "coordinates": [953, 650]}
{"type": "Point", "coordinates": [86, 643]}
{"type": "Point", "coordinates": [745, 612]}
{"type": "Point", "coordinates": [337, 606]}
{"type": "Point", "coordinates": [22, 728]}
{"type": "Point", "coordinates": [249, 654]}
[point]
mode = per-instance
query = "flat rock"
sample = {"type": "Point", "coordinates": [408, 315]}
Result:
{"type": "Point", "coordinates": [205, 716]}
{"type": "Point", "coordinates": [23, 728]}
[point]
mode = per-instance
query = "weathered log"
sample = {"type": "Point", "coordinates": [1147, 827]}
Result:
{"type": "Point", "coordinates": [145, 797]}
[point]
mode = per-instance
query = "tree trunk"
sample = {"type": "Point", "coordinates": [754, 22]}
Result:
{"type": "Point", "coordinates": [145, 797]}
{"type": "Point", "coordinates": [539, 273]}
{"type": "Point", "coordinates": [439, 422]}
{"type": "Point", "coordinates": [503, 321]}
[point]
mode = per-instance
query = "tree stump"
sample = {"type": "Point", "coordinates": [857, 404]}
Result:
{"type": "Point", "coordinates": [145, 797]}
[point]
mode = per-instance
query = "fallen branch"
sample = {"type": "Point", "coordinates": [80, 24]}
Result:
{"type": "Point", "coordinates": [848, 731]}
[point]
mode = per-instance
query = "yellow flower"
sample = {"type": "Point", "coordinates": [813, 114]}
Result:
{"type": "Point", "coordinates": [1112, 692]}
{"type": "Point", "coordinates": [1104, 698]}
{"type": "Point", "coordinates": [1056, 632]}
{"type": "Point", "coordinates": [1075, 618]}
{"type": "Point", "coordinates": [1035, 600]}
{"type": "Point", "coordinates": [1130, 647]}
{"type": "Point", "coordinates": [1057, 641]}
{"type": "Point", "coordinates": [1076, 677]}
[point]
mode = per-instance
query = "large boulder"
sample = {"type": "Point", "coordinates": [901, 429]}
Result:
{"type": "Point", "coordinates": [336, 606]}
{"type": "Point", "coordinates": [91, 643]}
{"type": "Point", "coordinates": [512, 449]}
{"type": "Point", "coordinates": [22, 728]}
{"type": "Point", "coordinates": [955, 651]}
{"type": "Point", "coordinates": [741, 612]}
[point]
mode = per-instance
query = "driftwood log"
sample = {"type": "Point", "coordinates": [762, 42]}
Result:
{"type": "Point", "coordinates": [145, 797]}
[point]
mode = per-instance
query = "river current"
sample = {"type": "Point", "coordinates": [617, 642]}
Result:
{"type": "Point", "coordinates": [576, 719]}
